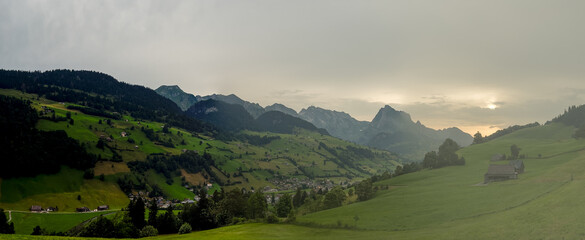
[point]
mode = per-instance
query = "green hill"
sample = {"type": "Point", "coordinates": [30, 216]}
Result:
{"type": "Point", "coordinates": [453, 203]}
{"type": "Point", "coordinates": [250, 159]}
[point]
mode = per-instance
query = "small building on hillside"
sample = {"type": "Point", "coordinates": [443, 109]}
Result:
{"type": "Point", "coordinates": [82, 209]}
{"type": "Point", "coordinates": [518, 165]}
{"type": "Point", "coordinates": [103, 207]}
{"type": "Point", "coordinates": [500, 173]}
{"type": "Point", "coordinates": [36, 208]}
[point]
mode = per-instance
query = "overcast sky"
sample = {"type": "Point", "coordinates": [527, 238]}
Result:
{"type": "Point", "coordinates": [476, 65]}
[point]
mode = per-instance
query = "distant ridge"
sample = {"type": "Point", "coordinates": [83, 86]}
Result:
{"type": "Point", "coordinates": [177, 95]}
{"type": "Point", "coordinates": [390, 129]}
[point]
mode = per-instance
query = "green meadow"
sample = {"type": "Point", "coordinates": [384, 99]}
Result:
{"type": "Point", "coordinates": [453, 203]}
{"type": "Point", "coordinates": [60, 190]}
{"type": "Point", "coordinates": [447, 203]}
{"type": "Point", "coordinates": [24, 222]}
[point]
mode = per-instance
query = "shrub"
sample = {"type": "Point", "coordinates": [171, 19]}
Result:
{"type": "Point", "coordinates": [148, 231]}
{"type": "Point", "coordinates": [185, 228]}
{"type": "Point", "coordinates": [271, 218]}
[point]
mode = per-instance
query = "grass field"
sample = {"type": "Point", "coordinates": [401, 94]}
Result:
{"type": "Point", "coordinates": [450, 203]}
{"type": "Point", "coordinates": [446, 204]}
{"type": "Point", "coordinates": [60, 190]}
{"type": "Point", "coordinates": [58, 222]}
{"type": "Point", "coordinates": [173, 191]}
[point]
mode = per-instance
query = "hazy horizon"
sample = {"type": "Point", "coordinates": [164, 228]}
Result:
{"type": "Point", "coordinates": [475, 65]}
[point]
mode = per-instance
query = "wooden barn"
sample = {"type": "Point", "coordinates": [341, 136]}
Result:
{"type": "Point", "coordinates": [518, 165]}
{"type": "Point", "coordinates": [500, 173]}
{"type": "Point", "coordinates": [82, 209]}
{"type": "Point", "coordinates": [36, 208]}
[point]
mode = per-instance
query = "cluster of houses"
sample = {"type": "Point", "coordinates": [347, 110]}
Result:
{"type": "Point", "coordinates": [40, 209]}
{"type": "Point", "coordinates": [294, 183]}
{"type": "Point", "coordinates": [161, 202]}
{"type": "Point", "coordinates": [503, 172]}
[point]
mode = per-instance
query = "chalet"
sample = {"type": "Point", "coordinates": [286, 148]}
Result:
{"type": "Point", "coordinates": [36, 208]}
{"type": "Point", "coordinates": [123, 134]}
{"type": "Point", "coordinates": [52, 209]}
{"type": "Point", "coordinates": [82, 209]}
{"type": "Point", "coordinates": [500, 173]}
{"type": "Point", "coordinates": [103, 207]}
{"type": "Point", "coordinates": [518, 165]}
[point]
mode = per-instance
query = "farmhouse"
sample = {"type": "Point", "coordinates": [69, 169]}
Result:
{"type": "Point", "coordinates": [103, 207]}
{"type": "Point", "coordinates": [82, 209]}
{"type": "Point", "coordinates": [500, 173]}
{"type": "Point", "coordinates": [36, 208]}
{"type": "Point", "coordinates": [518, 165]}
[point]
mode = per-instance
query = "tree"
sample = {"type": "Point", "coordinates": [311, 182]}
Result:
{"type": "Point", "coordinates": [167, 223]}
{"type": "Point", "coordinates": [515, 151]}
{"type": "Point", "coordinates": [185, 228]}
{"type": "Point", "coordinates": [298, 198]}
{"type": "Point", "coordinates": [101, 227]}
{"type": "Point", "coordinates": [4, 226]}
{"type": "Point", "coordinates": [152, 214]}
{"type": "Point", "coordinates": [148, 231]}
{"type": "Point", "coordinates": [478, 138]}
{"type": "Point", "coordinates": [37, 231]}
{"type": "Point", "coordinates": [431, 160]}
{"type": "Point", "coordinates": [447, 155]}
{"type": "Point", "coordinates": [136, 213]}
{"type": "Point", "coordinates": [364, 190]}
{"type": "Point", "coordinates": [284, 205]}
{"type": "Point", "coordinates": [232, 205]}
{"type": "Point", "coordinates": [334, 198]}
{"type": "Point", "coordinates": [257, 205]}
{"type": "Point", "coordinates": [580, 132]}
{"type": "Point", "coordinates": [100, 144]}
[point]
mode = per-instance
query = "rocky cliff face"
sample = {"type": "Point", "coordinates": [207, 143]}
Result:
{"type": "Point", "coordinates": [174, 93]}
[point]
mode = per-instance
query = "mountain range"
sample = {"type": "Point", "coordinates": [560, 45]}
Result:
{"type": "Point", "coordinates": [389, 130]}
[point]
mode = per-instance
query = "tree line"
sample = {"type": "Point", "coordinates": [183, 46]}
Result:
{"type": "Point", "coordinates": [27, 151]}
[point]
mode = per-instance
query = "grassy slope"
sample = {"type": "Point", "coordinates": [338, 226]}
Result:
{"type": "Point", "coordinates": [230, 157]}
{"type": "Point", "coordinates": [545, 203]}
{"type": "Point", "coordinates": [445, 203]}
{"type": "Point", "coordinates": [62, 189]}
{"type": "Point", "coordinates": [173, 191]}
{"type": "Point", "coordinates": [58, 222]}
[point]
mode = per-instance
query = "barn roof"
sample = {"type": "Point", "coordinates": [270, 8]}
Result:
{"type": "Point", "coordinates": [517, 163]}
{"type": "Point", "coordinates": [501, 169]}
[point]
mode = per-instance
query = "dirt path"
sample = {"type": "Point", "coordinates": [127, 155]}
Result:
{"type": "Point", "coordinates": [9, 216]}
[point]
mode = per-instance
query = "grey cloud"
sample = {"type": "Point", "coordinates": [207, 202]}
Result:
{"type": "Point", "coordinates": [445, 58]}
